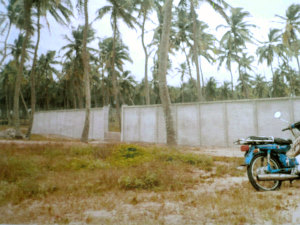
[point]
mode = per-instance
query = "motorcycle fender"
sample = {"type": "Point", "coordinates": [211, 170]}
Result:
{"type": "Point", "coordinates": [249, 156]}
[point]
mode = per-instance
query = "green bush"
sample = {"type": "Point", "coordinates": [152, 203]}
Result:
{"type": "Point", "coordinates": [148, 181]}
{"type": "Point", "coordinates": [85, 163]}
{"type": "Point", "coordinates": [15, 168]}
{"type": "Point", "coordinates": [130, 155]}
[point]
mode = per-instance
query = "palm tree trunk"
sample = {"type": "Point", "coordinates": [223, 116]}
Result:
{"type": "Point", "coordinates": [188, 62]}
{"type": "Point", "coordinates": [114, 76]}
{"type": "Point", "coordinates": [103, 88]}
{"type": "Point", "coordinates": [27, 25]}
{"type": "Point", "coordinates": [202, 78]}
{"type": "Point", "coordinates": [7, 106]}
{"type": "Point", "coordinates": [162, 71]}
{"type": "Point", "coordinates": [231, 81]}
{"type": "Point", "coordinates": [85, 59]}
{"type": "Point", "coordinates": [5, 44]}
{"type": "Point", "coordinates": [147, 94]}
{"type": "Point", "coordinates": [25, 105]}
{"type": "Point", "coordinates": [195, 49]}
{"type": "Point", "coordinates": [297, 59]}
{"type": "Point", "coordinates": [32, 74]}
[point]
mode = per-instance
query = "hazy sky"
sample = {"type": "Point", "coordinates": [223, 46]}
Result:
{"type": "Point", "coordinates": [263, 16]}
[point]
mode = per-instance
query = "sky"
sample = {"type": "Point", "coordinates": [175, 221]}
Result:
{"type": "Point", "coordinates": [262, 15]}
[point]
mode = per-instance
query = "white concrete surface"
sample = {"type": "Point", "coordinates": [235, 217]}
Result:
{"type": "Point", "coordinates": [70, 123]}
{"type": "Point", "coordinates": [210, 123]}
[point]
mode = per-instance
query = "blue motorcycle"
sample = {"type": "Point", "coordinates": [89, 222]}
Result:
{"type": "Point", "coordinates": [271, 160]}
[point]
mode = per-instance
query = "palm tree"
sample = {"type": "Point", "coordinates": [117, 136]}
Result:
{"type": "Point", "coordinates": [269, 48]}
{"type": "Point", "coordinates": [225, 91]}
{"type": "Point", "coordinates": [244, 78]}
{"type": "Point", "coordinates": [85, 62]}
{"type": "Point", "coordinates": [127, 88]}
{"type": "Point", "coordinates": [27, 6]}
{"type": "Point", "coordinates": [211, 89]}
{"type": "Point", "coordinates": [182, 71]}
{"type": "Point", "coordinates": [73, 54]}
{"type": "Point", "coordinates": [278, 86]}
{"type": "Point", "coordinates": [236, 37]}
{"type": "Point", "coordinates": [55, 9]}
{"type": "Point", "coordinates": [146, 7]}
{"type": "Point", "coordinates": [162, 71]}
{"type": "Point", "coordinates": [196, 36]}
{"type": "Point", "coordinates": [118, 10]}
{"type": "Point", "coordinates": [260, 86]}
{"type": "Point", "coordinates": [292, 26]}
{"type": "Point", "coordinates": [45, 71]}
{"type": "Point", "coordinates": [7, 19]}
{"type": "Point", "coordinates": [226, 55]}
{"type": "Point", "coordinates": [106, 53]}
{"type": "Point", "coordinates": [205, 47]}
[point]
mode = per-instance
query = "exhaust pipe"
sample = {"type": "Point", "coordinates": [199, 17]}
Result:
{"type": "Point", "coordinates": [268, 177]}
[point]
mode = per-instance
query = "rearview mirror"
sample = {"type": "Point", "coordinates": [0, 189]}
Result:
{"type": "Point", "coordinates": [277, 115]}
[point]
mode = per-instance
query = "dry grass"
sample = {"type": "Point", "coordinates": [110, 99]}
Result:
{"type": "Point", "coordinates": [129, 184]}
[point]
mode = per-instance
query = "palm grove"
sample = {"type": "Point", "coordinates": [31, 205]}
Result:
{"type": "Point", "coordinates": [86, 77]}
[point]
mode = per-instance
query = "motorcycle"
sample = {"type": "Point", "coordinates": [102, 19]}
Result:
{"type": "Point", "coordinates": [270, 161]}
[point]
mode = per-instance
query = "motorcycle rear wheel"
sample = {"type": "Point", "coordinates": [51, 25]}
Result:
{"type": "Point", "coordinates": [258, 161]}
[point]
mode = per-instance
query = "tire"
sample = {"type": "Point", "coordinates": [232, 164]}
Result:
{"type": "Point", "coordinates": [295, 148]}
{"type": "Point", "coordinates": [260, 160]}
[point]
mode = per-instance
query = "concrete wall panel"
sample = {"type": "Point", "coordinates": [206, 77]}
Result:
{"type": "Point", "coordinates": [148, 125]}
{"type": "Point", "coordinates": [267, 124]}
{"type": "Point", "coordinates": [70, 123]}
{"type": "Point", "coordinates": [212, 125]}
{"type": "Point", "coordinates": [188, 132]}
{"type": "Point", "coordinates": [131, 124]}
{"type": "Point", "coordinates": [241, 120]}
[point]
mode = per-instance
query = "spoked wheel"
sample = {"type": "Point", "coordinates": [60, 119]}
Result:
{"type": "Point", "coordinates": [257, 164]}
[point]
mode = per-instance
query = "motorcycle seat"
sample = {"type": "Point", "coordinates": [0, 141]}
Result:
{"type": "Point", "coordinates": [281, 141]}
{"type": "Point", "coordinates": [269, 140]}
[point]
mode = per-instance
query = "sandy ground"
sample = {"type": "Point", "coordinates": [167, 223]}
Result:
{"type": "Point", "coordinates": [213, 151]}
{"type": "Point", "coordinates": [174, 212]}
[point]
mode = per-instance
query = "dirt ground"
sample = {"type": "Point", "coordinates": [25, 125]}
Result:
{"type": "Point", "coordinates": [158, 208]}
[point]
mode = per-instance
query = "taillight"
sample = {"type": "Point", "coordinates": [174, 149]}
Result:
{"type": "Point", "coordinates": [245, 148]}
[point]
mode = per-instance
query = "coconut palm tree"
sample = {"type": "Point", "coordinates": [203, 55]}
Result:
{"type": "Point", "coordinates": [73, 53]}
{"type": "Point", "coordinates": [85, 62]}
{"type": "Point", "coordinates": [61, 13]}
{"type": "Point", "coordinates": [119, 10]}
{"type": "Point", "coordinates": [45, 71]}
{"type": "Point", "coordinates": [145, 8]}
{"type": "Point", "coordinates": [121, 55]}
{"type": "Point", "coordinates": [182, 70]}
{"type": "Point", "coordinates": [260, 86]}
{"type": "Point", "coordinates": [211, 89]}
{"type": "Point", "coordinates": [162, 72]}
{"type": "Point", "coordinates": [196, 37]}
{"type": "Point", "coordinates": [26, 26]}
{"type": "Point", "coordinates": [236, 37]}
{"type": "Point", "coordinates": [7, 19]}
{"type": "Point", "coordinates": [292, 27]}
{"type": "Point", "coordinates": [269, 48]}
{"type": "Point", "coordinates": [245, 64]}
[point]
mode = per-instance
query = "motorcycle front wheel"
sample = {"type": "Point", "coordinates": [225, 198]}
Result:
{"type": "Point", "coordinates": [259, 161]}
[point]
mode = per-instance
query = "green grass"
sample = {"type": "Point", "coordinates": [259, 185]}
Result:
{"type": "Point", "coordinates": [25, 170]}
{"type": "Point", "coordinates": [57, 183]}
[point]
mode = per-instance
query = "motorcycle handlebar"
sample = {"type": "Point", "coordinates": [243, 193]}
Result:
{"type": "Point", "coordinates": [288, 128]}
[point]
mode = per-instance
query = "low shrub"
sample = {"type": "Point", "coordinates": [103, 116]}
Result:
{"type": "Point", "coordinates": [147, 181]}
{"type": "Point", "coordinates": [15, 168]}
{"type": "Point", "coordinates": [129, 155]}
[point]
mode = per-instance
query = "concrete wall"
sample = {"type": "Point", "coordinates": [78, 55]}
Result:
{"type": "Point", "coordinates": [210, 124]}
{"type": "Point", "coordinates": [70, 122]}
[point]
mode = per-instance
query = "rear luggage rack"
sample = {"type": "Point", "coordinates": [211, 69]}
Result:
{"type": "Point", "coordinates": [255, 140]}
